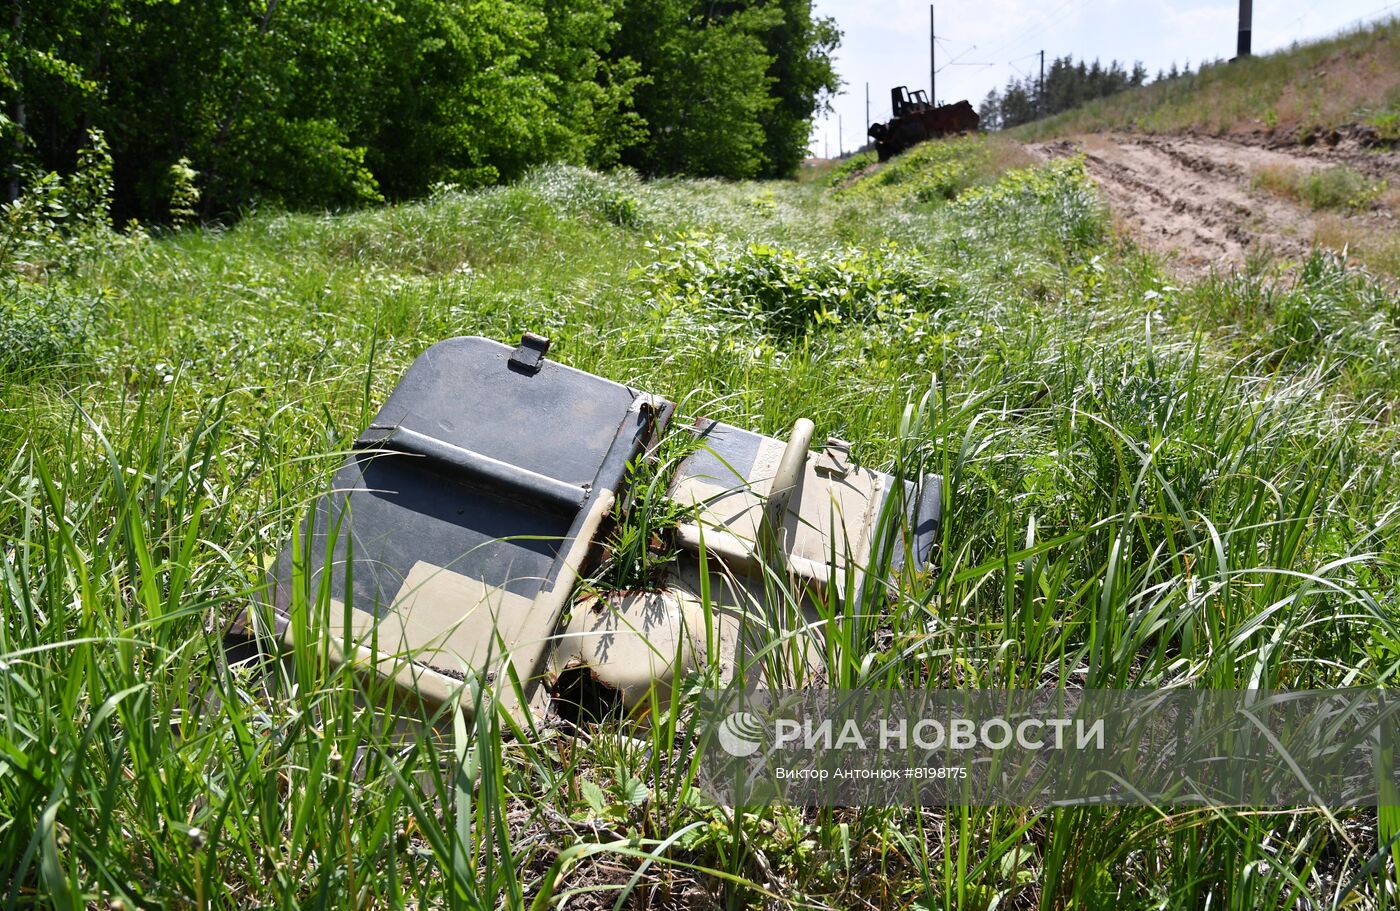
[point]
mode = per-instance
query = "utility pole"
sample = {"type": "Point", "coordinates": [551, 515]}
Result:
{"type": "Point", "coordinates": [840, 135]}
{"type": "Point", "coordinates": [826, 145]}
{"type": "Point", "coordinates": [932, 52]}
{"type": "Point", "coordinates": [18, 115]}
{"type": "Point", "coordinates": [1246, 23]}
{"type": "Point", "coordinates": [867, 112]}
{"type": "Point", "coordinates": [1040, 99]}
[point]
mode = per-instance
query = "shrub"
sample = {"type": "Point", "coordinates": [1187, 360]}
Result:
{"type": "Point", "coordinates": [58, 219]}
{"type": "Point", "coordinates": [929, 172]}
{"type": "Point", "coordinates": [184, 192]}
{"type": "Point", "coordinates": [1337, 187]}
{"type": "Point", "coordinates": [43, 235]}
{"type": "Point", "coordinates": [1387, 126]}
{"type": "Point", "coordinates": [42, 324]}
{"type": "Point", "coordinates": [788, 292]}
{"type": "Point", "coordinates": [610, 198]}
{"type": "Point", "coordinates": [1055, 200]}
{"type": "Point", "coordinates": [842, 171]}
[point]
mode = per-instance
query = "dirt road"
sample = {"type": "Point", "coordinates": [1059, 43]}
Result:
{"type": "Point", "coordinates": [1196, 199]}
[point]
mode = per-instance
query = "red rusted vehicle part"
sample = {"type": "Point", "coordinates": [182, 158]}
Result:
{"type": "Point", "coordinates": [916, 120]}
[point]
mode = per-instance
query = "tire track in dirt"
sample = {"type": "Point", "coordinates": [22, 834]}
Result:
{"type": "Point", "coordinates": [1192, 200]}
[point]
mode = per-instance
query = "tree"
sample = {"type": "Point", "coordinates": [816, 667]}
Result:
{"type": "Point", "coordinates": [990, 111]}
{"type": "Point", "coordinates": [1018, 104]}
{"type": "Point", "coordinates": [460, 103]}
{"type": "Point", "coordinates": [592, 96]}
{"type": "Point", "coordinates": [803, 81]}
{"type": "Point", "coordinates": [315, 103]}
{"type": "Point", "coordinates": [707, 86]}
{"type": "Point", "coordinates": [1067, 84]}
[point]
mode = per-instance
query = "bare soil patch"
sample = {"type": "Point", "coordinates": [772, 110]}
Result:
{"type": "Point", "coordinates": [1195, 199]}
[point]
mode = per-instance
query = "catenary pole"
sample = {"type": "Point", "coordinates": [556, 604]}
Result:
{"type": "Point", "coordinates": [1246, 27]}
{"type": "Point", "coordinates": [1040, 100]}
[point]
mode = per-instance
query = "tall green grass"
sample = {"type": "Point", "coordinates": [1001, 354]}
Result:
{"type": "Point", "coordinates": [1146, 485]}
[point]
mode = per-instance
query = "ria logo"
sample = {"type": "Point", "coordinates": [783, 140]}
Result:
{"type": "Point", "coordinates": [741, 734]}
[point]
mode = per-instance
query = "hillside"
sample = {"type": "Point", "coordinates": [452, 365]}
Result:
{"type": "Point", "coordinates": [1248, 165]}
{"type": "Point", "coordinates": [1150, 480]}
{"type": "Point", "coordinates": [1342, 90]}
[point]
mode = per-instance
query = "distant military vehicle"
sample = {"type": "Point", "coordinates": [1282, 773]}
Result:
{"type": "Point", "coordinates": [916, 119]}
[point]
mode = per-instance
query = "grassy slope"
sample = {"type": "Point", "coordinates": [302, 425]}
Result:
{"type": "Point", "coordinates": [1147, 484]}
{"type": "Point", "coordinates": [1303, 91]}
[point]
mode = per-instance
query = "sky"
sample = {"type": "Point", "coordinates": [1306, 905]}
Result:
{"type": "Point", "coordinates": [982, 43]}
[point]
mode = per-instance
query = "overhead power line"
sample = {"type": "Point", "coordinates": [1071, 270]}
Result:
{"type": "Point", "coordinates": [954, 61]}
{"type": "Point", "coordinates": [1036, 24]}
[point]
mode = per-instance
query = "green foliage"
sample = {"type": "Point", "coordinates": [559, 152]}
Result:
{"type": "Point", "coordinates": [1339, 187]}
{"type": "Point", "coordinates": [45, 235]}
{"type": "Point", "coordinates": [786, 292]}
{"type": "Point", "coordinates": [1056, 199]}
{"type": "Point", "coordinates": [1066, 86]}
{"type": "Point", "coordinates": [1148, 482]}
{"type": "Point", "coordinates": [465, 103]}
{"type": "Point", "coordinates": [926, 180]}
{"type": "Point", "coordinates": [930, 172]}
{"type": "Point", "coordinates": [592, 117]}
{"type": "Point", "coordinates": [337, 103]}
{"type": "Point", "coordinates": [1387, 126]}
{"type": "Point", "coordinates": [1330, 315]}
{"type": "Point", "coordinates": [1053, 205]}
{"type": "Point", "coordinates": [804, 79]}
{"type": "Point", "coordinates": [43, 324]}
{"type": "Point", "coordinates": [611, 199]}
{"type": "Point", "coordinates": [641, 544]}
{"type": "Point", "coordinates": [184, 193]}
{"type": "Point", "coordinates": [707, 89]}
{"type": "Point", "coordinates": [844, 170]}
{"type": "Point", "coordinates": [59, 219]}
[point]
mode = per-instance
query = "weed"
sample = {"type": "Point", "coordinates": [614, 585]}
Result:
{"type": "Point", "coordinates": [184, 192]}
{"type": "Point", "coordinates": [930, 172]}
{"type": "Point", "coordinates": [641, 544]}
{"type": "Point", "coordinates": [1340, 187]}
{"type": "Point", "coordinates": [44, 324]}
{"type": "Point", "coordinates": [847, 168]}
{"type": "Point", "coordinates": [1332, 188]}
{"type": "Point", "coordinates": [1145, 485]}
{"type": "Point", "coordinates": [1387, 126]}
{"type": "Point", "coordinates": [1280, 180]}
{"type": "Point", "coordinates": [1055, 199]}
{"type": "Point", "coordinates": [59, 220]}
{"type": "Point", "coordinates": [786, 292]}
{"type": "Point", "coordinates": [611, 199]}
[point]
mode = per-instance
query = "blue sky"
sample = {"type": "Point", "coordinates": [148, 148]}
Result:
{"type": "Point", "coordinates": [886, 43]}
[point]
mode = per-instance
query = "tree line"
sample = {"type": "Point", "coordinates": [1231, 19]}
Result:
{"type": "Point", "coordinates": [1067, 85]}
{"type": "Point", "coordinates": [317, 103]}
